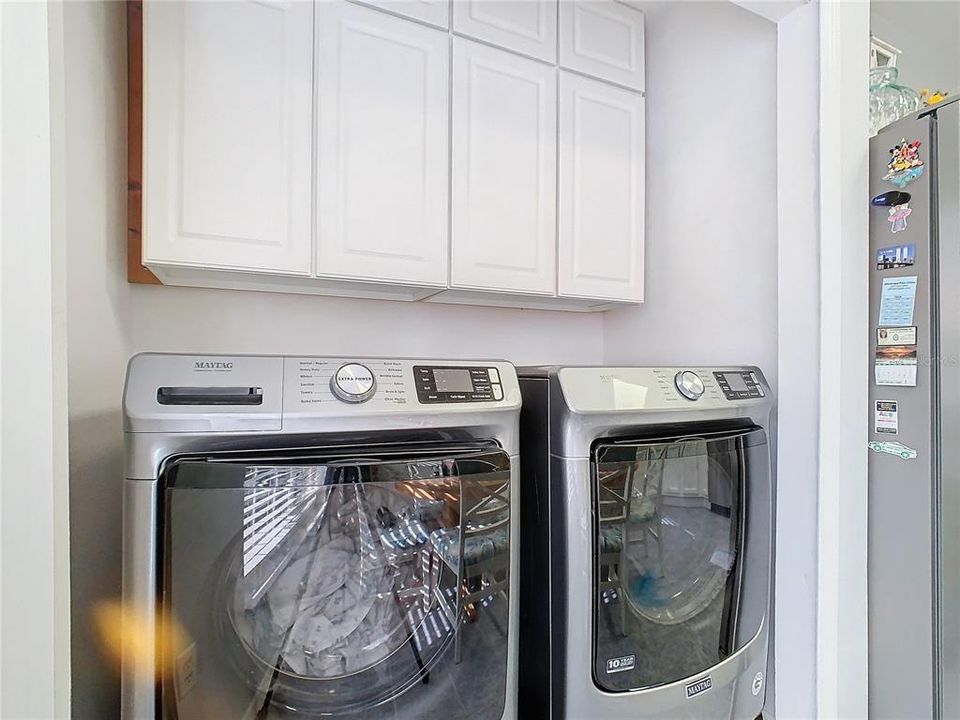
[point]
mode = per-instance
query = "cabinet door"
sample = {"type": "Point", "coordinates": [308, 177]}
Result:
{"type": "Point", "coordinates": [604, 39]}
{"type": "Point", "coordinates": [432, 12]}
{"type": "Point", "coordinates": [525, 26]}
{"type": "Point", "coordinates": [227, 137]}
{"type": "Point", "coordinates": [601, 190]}
{"type": "Point", "coordinates": [504, 170]}
{"type": "Point", "coordinates": [383, 146]}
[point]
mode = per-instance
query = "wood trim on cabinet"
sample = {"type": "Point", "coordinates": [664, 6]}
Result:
{"type": "Point", "coordinates": [136, 272]}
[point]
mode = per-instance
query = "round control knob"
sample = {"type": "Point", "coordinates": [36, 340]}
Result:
{"type": "Point", "coordinates": [353, 383]}
{"type": "Point", "coordinates": [689, 384]}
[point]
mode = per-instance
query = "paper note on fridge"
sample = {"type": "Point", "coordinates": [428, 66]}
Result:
{"type": "Point", "coordinates": [896, 300]}
{"type": "Point", "coordinates": [896, 365]}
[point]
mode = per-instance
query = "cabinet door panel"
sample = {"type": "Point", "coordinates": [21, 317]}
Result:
{"type": "Point", "coordinates": [601, 190]}
{"type": "Point", "coordinates": [604, 39]}
{"type": "Point", "coordinates": [227, 136]}
{"type": "Point", "coordinates": [504, 171]}
{"type": "Point", "coordinates": [525, 26]}
{"type": "Point", "coordinates": [383, 146]}
{"type": "Point", "coordinates": [432, 12]}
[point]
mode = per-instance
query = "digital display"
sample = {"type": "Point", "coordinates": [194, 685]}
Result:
{"type": "Point", "coordinates": [736, 382]}
{"type": "Point", "coordinates": [453, 381]}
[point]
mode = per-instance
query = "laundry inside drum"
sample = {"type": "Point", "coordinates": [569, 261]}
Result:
{"type": "Point", "coordinates": [348, 591]}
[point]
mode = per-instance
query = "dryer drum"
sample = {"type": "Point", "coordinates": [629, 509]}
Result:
{"type": "Point", "coordinates": [340, 607]}
{"type": "Point", "coordinates": [706, 565]}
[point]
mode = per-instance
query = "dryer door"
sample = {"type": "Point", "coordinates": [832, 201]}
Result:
{"type": "Point", "coordinates": [681, 554]}
{"type": "Point", "coordinates": [351, 583]}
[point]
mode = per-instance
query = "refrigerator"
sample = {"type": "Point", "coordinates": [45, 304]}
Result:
{"type": "Point", "coordinates": [914, 418]}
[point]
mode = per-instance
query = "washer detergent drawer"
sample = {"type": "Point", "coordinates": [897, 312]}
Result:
{"type": "Point", "coordinates": [680, 555]}
{"type": "Point", "coordinates": [354, 583]}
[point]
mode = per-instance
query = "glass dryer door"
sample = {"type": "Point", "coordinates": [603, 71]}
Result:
{"type": "Point", "coordinates": [349, 583]}
{"type": "Point", "coordinates": [671, 525]}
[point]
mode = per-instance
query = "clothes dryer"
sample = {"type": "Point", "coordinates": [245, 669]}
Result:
{"type": "Point", "coordinates": [312, 537]}
{"type": "Point", "coordinates": [646, 543]}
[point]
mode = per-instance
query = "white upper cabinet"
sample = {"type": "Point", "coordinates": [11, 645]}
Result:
{"type": "Point", "coordinates": [504, 171]}
{"type": "Point", "coordinates": [601, 190]}
{"type": "Point", "coordinates": [604, 39]}
{"type": "Point", "coordinates": [402, 149]}
{"type": "Point", "coordinates": [227, 135]}
{"type": "Point", "coordinates": [525, 26]}
{"type": "Point", "coordinates": [383, 146]}
{"type": "Point", "coordinates": [432, 12]}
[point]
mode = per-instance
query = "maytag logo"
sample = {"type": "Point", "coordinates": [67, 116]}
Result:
{"type": "Point", "coordinates": [699, 687]}
{"type": "Point", "coordinates": [208, 365]}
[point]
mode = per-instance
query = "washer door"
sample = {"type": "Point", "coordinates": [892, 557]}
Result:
{"type": "Point", "coordinates": [674, 522]}
{"type": "Point", "coordinates": [343, 584]}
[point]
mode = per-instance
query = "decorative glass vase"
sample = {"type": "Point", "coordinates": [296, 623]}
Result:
{"type": "Point", "coordinates": [888, 101]}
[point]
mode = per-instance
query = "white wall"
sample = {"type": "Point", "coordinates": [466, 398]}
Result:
{"type": "Point", "coordinates": [927, 32]}
{"type": "Point", "coordinates": [109, 320]}
{"type": "Point", "coordinates": [98, 323]}
{"type": "Point", "coordinates": [34, 543]}
{"type": "Point", "coordinates": [712, 252]}
{"type": "Point", "coordinates": [798, 292]}
{"type": "Point", "coordinates": [711, 279]}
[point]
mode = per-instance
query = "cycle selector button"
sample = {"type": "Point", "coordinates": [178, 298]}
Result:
{"type": "Point", "coordinates": [353, 383]}
{"type": "Point", "coordinates": [689, 384]}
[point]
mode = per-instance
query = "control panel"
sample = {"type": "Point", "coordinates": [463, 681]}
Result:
{"type": "Point", "coordinates": [739, 384]}
{"type": "Point", "coordinates": [606, 389]}
{"type": "Point", "coordinates": [248, 393]}
{"type": "Point", "coordinates": [457, 384]}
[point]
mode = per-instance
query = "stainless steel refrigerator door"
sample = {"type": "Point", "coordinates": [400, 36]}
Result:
{"type": "Point", "coordinates": [914, 491]}
{"type": "Point", "coordinates": [947, 486]}
{"type": "Point", "coordinates": [900, 575]}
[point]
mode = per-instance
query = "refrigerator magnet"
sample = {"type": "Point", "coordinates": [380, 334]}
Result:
{"type": "Point", "coordinates": [895, 365]}
{"type": "Point", "coordinates": [896, 336]}
{"type": "Point", "coordinates": [893, 448]}
{"type": "Point", "coordinates": [896, 256]}
{"type": "Point", "coordinates": [888, 199]}
{"type": "Point", "coordinates": [886, 417]}
{"type": "Point", "coordinates": [897, 297]}
{"type": "Point", "coordinates": [905, 164]}
{"type": "Point", "coordinates": [897, 217]}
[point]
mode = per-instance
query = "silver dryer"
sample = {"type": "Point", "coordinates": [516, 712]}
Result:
{"type": "Point", "coordinates": [646, 543]}
{"type": "Point", "coordinates": [314, 537]}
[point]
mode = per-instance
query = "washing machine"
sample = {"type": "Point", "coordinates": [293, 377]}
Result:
{"type": "Point", "coordinates": [645, 542]}
{"type": "Point", "coordinates": [314, 537]}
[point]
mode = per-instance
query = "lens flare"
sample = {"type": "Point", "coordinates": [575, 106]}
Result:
{"type": "Point", "coordinates": [142, 641]}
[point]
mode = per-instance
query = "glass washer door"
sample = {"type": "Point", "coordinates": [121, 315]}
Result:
{"type": "Point", "coordinates": [337, 585]}
{"type": "Point", "coordinates": [669, 532]}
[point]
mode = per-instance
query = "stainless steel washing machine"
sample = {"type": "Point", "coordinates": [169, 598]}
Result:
{"type": "Point", "coordinates": [320, 537]}
{"type": "Point", "coordinates": [645, 543]}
